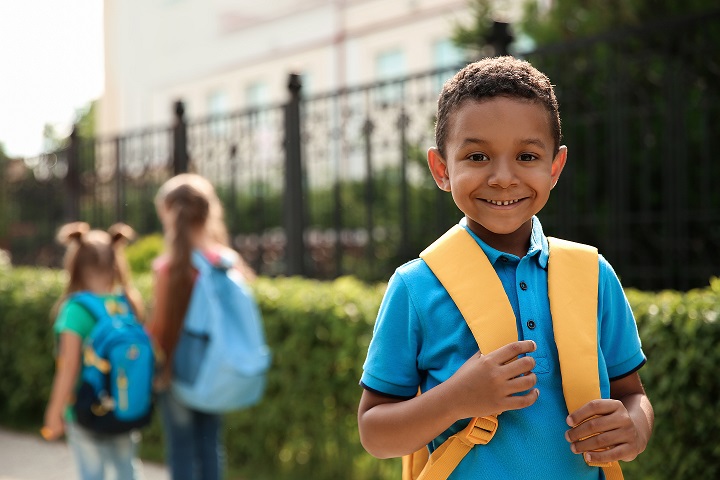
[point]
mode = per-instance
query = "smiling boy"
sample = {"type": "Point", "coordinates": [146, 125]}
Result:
{"type": "Point", "coordinates": [498, 153]}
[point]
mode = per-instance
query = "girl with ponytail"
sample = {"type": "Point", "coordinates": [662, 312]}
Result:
{"type": "Point", "coordinates": [192, 219]}
{"type": "Point", "coordinates": [95, 262]}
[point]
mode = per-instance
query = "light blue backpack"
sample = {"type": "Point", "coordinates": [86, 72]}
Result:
{"type": "Point", "coordinates": [221, 359]}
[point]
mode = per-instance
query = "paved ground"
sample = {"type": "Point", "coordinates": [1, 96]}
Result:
{"type": "Point", "coordinates": [25, 456]}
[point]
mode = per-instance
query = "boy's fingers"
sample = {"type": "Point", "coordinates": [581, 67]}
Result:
{"type": "Point", "coordinates": [513, 350]}
{"type": "Point", "coordinates": [591, 409]}
{"type": "Point", "coordinates": [621, 451]}
{"type": "Point", "coordinates": [516, 402]}
{"type": "Point", "coordinates": [600, 441]}
{"type": "Point", "coordinates": [521, 366]}
{"type": "Point", "coordinates": [522, 384]}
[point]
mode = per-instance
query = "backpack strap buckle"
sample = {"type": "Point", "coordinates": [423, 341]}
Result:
{"type": "Point", "coordinates": [480, 430]}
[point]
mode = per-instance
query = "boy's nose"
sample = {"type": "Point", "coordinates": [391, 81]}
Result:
{"type": "Point", "coordinates": [502, 175]}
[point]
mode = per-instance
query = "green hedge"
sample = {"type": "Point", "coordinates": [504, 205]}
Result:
{"type": "Point", "coordinates": [319, 331]}
{"type": "Point", "coordinates": [681, 338]}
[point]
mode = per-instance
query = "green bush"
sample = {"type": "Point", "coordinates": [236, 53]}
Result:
{"type": "Point", "coordinates": [143, 251]}
{"type": "Point", "coordinates": [680, 334]}
{"type": "Point", "coordinates": [26, 348]}
{"type": "Point", "coordinates": [306, 426]}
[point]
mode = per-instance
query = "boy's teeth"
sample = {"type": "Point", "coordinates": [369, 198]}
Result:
{"type": "Point", "coordinates": [500, 202]}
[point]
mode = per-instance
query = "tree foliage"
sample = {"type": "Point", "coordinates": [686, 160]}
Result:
{"type": "Point", "coordinates": [638, 82]}
{"type": "Point", "coordinates": [567, 20]}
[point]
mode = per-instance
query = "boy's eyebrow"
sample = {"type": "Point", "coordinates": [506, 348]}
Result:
{"type": "Point", "coordinates": [532, 141]}
{"type": "Point", "coordinates": [523, 142]}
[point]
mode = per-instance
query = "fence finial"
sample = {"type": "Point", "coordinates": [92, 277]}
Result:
{"type": "Point", "coordinates": [180, 160]}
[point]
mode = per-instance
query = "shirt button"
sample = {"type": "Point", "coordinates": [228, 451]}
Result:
{"type": "Point", "coordinates": [504, 259]}
{"type": "Point", "coordinates": [531, 324]}
{"type": "Point", "coordinates": [523, 286]}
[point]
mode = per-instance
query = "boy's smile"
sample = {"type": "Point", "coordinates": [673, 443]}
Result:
{"type": "Point", "coordinates": [499, 166]}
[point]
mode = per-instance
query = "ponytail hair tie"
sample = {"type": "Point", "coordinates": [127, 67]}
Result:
{"type": "Point", "coordinates": [72, 232]}
{"type": "Point", "coordinates": [121, 233]}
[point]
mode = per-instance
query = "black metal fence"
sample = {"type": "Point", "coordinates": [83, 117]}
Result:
{"type": "Point", "coordinates": [337, 184]}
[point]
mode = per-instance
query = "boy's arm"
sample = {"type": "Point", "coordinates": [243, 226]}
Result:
{"type": "Point", "coordinates": [392, 427]}
{"type": "Point", "coordinates": [484, 385]}
{"type": "Point", "coordinates": [622, 426]}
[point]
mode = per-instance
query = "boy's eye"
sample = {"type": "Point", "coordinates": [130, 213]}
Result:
{"type": "Point", "coordinates": [527, 157]}
{"type": "Point", "coordinates": [478, 157]}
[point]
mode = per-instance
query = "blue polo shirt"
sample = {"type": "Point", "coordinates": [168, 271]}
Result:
{"type": "Point", "coordinates": [421, 339]}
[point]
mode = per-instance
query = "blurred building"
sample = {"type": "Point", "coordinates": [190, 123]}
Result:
{"type": "Point", "coordinates": [219, 56]}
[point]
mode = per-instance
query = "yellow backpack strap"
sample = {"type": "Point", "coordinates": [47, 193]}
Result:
{"type": "Point", "coordinates": [454, 258]}
{"type": "Point", "coordinates": [574, 267]}
{"type": "Point", "coordinates": [449, 266]}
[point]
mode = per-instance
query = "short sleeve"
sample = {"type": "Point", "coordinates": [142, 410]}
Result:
{"type": "Point", "coordinates": [74, 318]}
{"type": "Point", "coordinates": [619, 339]}
{"type": "Point", "coordinates": [391, 365]}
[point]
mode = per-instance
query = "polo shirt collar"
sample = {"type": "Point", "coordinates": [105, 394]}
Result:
{"type": "Point", "coordinates": [538, 244]}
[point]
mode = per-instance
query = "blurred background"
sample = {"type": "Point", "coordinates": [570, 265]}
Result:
{"type": "Point", "coordinates": [312, 118]}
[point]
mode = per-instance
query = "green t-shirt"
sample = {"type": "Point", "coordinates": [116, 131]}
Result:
{"type": "Point", "coordinates": [73, 318]}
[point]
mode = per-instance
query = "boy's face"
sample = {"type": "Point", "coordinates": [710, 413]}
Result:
{"type": "Point", "coordinates": [500, 167]}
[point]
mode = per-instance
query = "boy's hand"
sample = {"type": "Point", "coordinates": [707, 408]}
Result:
{"type": "Point", "coordinates": [603, 431]}
{"type": "Point", "coordinates": [490, 384]}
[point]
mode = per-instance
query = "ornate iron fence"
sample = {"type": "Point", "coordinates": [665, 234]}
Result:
{"type": "Point", "coordinates": [337, 184]}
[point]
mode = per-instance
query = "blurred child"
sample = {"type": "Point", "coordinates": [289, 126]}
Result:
{"type": "Point", "coordinates": [192, 219]}
{"type": "Point", "coordinates": [498, 154]}
{"type": "Point", "coordinates": [94, 262]}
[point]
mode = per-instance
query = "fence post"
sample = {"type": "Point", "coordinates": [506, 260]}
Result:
{"type": "Point", "coordinates": [119, 183]}
{"type": "Point", "coordinates": [232, 207]}
{"type": "Point", "coordinates": [180, 158]}
{"type": "Point", "coordinates": [404, 250]}
{"type": "Point", "coordinates": [500, 38]}
{"type": "Point", "coordinates": [294, 214]}
{"type": "Point", "coordinates": [368, 128]}
{"type": "Point", "coordinates": [72, 178]}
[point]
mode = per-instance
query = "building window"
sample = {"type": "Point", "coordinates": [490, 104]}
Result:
{"type": "Point", "coordinates": [307, 84]}
{"type": "Point", "coordinates": [257, 95]}
{"type": "Point", "coordinates": [390, 65]}
{"type": "Point", "coordinates": [217, 107]}
{"type": "Point", "coordinates": [448, 58]}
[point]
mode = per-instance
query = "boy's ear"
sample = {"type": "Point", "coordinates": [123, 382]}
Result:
{"type": "Point", "coordinates": [558, 164]}
{"type": "Point", "coordinates": [438, 168]}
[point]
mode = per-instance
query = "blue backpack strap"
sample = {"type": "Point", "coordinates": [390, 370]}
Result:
{"type": "Point", "coordinates": [200, 262]}
{"type": "Point", "coordinates": [90, 302]}
{"type": "Point", "coordinates": [98, 306]}
{"type": "Point", "coordinates": [226, 260]}
{"type": "Point", "coordinates": [94, 305]}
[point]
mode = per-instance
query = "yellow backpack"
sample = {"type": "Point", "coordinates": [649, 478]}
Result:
{"type": "Point", "coordinates": [456, 258]}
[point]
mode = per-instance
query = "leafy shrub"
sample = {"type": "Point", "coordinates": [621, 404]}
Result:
{"type": "Point", "coordinates": [26, 349]}
{"type": "Point", "coordinates": [143, 251]}
{"type": "Point", "coordinates": [680, 334]}
{"type": "Point", "coordinates": [306, 426]}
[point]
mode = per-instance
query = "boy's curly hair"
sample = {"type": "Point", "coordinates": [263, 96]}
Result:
{"type": "Point", "coordinates": [496, 77]}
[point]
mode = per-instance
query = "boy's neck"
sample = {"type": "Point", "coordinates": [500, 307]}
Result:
{"type": "Point", "coordinates": [516, 243]}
